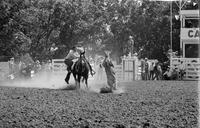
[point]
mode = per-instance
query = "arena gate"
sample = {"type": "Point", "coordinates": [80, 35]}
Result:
{"type": "Point", "coordinates": [129, 69]}
{"type": "Point", "coordinates": [4, 70]}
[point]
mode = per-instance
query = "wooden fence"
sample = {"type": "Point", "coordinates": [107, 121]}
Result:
{"type": "Point", "coordinates": [191, 66]}
{"type": "Point", "coordinates": [4, 70]}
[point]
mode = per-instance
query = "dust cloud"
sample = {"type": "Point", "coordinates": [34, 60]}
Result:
{"type": "Point", "coordinates": [40, 80]}
{"type": "Point", "coordinates": [52, 80]}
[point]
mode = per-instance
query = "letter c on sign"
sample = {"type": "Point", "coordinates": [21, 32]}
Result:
{"type": "Point", "coordinates": [189, 33]}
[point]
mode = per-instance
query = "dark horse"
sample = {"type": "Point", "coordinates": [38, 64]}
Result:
{"type": "Point", "coordinates": [81, 70]}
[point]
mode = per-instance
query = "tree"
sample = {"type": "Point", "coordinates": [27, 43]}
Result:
{"type": "Point", "coordinates": [99, 25]}
{"type": "Point", "coordinates": [9, 26]}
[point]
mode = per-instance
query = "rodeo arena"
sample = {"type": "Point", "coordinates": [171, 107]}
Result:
{"type": "Point", "coordinates": [137, 93]}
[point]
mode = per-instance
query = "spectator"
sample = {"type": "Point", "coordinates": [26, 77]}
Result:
{"type": "Point", "coordinates": [142, 69]}
{"type": "Point", "coordinates": [181, 70]}
{"type": "Point", "coordinates": [49, 65]}
{"type": "Point", "coordinates": [146, 69]}
{"type": "Point", "coordinates": [151, 71]}
{"type": "Point", "coordinates": [38, 66]}
{"type": "Point", "coordinates": [11, 65]}
{"type": "Point", "coordinates": [167, 75]}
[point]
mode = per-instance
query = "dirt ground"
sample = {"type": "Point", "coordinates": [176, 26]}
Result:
{"type": "Point", "coordinates": [150, 104]}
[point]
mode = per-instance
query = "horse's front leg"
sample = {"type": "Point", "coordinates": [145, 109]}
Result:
{"type": "Point", "coordinates": [78, 81]}
{"type": "Point", "coordinates": [75, 79]}
{"type": "Point", "coordinates": [86, 82]}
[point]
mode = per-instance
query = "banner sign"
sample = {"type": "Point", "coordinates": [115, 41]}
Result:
{"type": "Point", "coordinates": [190, 33]}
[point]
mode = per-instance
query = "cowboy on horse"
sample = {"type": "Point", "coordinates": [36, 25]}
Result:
{"type": "Point", "coordinates": [71, 58]}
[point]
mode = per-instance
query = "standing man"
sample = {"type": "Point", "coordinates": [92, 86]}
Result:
{"type": "Point", "coordinates": [142, 69]}
{"type": "Point", "coordinates": [110, 73]}
{"type": "Point", "coordinates": [49, 65]}
{"type": "Point", "coordinates": [181, 70]}
{"type": "Point", "coordinates": [38, 66]}
{"type": "Point", "coordinates": [146, 69]}
{"type": "Point", "coordinates": [11, 65]}
{"type": "Point", "coordinates": [151, 71]}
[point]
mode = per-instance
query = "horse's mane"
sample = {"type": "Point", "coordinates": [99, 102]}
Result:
{"type": "Point", "coordinates": [83, 53]}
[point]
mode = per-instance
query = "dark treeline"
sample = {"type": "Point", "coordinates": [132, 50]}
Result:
{"type": "Point", "coordinates": [35, 26]}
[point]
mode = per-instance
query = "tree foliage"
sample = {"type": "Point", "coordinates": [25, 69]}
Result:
{"type": "Point", "coordinates": [35, 26]}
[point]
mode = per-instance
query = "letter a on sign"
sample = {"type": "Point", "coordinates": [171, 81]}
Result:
{"type": "Point", "coordinates": [196, 34]}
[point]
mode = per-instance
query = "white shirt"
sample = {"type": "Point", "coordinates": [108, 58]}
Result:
{"type": "Point", "coordinates": [72, 55]}
{"type": "Point", "coordinates": [181, 67]}
{"type": "Point", "coordinates": [80, 49]}
{"type": "Point", "coordinates": [151, 67]}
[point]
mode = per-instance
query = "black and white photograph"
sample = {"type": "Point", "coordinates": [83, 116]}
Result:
{"type": "Point", "coordinates": [99, 63]}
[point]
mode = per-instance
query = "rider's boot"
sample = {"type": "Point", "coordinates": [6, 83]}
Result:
{"type": "Point", "coordinates": [92, 72]}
